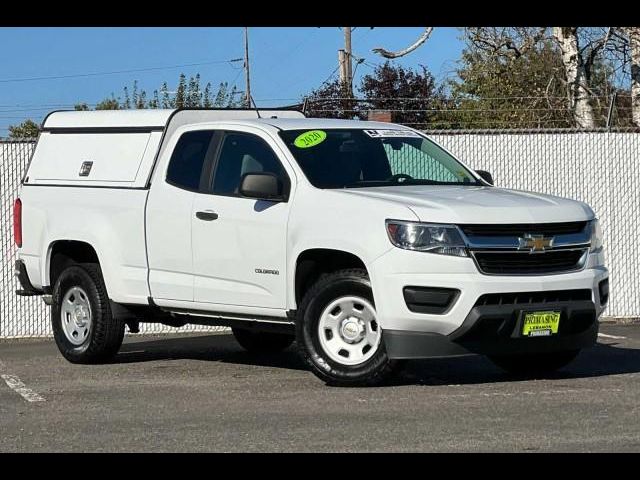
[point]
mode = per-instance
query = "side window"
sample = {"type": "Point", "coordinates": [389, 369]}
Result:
{"type": "Point", "coordinates": [243, 153]}
{"type": "Point", "coordinates": [188, 158]}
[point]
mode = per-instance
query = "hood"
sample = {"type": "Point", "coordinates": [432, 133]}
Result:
{"type": "Point", "coordinates": [478, 204]}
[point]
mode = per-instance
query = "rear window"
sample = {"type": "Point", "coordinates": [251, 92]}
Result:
{"type": "Point", "coordinates": [187, 160]}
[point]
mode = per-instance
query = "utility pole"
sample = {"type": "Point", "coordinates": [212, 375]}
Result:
{"type": "Point", "coordinates": [344, 61]}
{"type": "Point", "coordinates": [246, 68]}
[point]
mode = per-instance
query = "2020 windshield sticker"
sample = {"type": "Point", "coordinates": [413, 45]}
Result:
{"type": "Point", "coordinates": [391, 133]}
{"type": "Point", "coordinates": [310, 138]}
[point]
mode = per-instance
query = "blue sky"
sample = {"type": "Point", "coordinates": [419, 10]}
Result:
{"type": "Point", "coordinates": [286, 62]}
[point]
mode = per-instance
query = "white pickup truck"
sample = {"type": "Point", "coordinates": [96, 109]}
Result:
{"type": "Point", "coordinates": [367, 243]}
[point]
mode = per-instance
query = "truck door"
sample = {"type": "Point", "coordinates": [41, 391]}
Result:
{"type": "Point", "coordinates": [239, 244]}
{"type": "Point", "coordinates": [168, 217]}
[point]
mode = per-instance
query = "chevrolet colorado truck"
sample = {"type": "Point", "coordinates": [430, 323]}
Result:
{"type": "Point", "coordinates": [366, 243]}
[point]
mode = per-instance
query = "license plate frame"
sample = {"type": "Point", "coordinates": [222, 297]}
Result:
{"type": "Point", "coordinates": [540, 323]}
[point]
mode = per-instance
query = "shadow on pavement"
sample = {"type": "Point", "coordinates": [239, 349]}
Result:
{"type": "Point", "coordinates": [211, 348]}
{"type": "Point", "coordinates": [600, 360]}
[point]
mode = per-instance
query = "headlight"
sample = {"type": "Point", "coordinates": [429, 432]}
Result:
{"type": "Point", "coordinates": [427, 237]}
{"type": "Point", "coordinates": [596, 235]}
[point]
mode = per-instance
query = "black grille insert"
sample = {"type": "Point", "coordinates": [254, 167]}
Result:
{"type": "Point", "coordinates": [518, 230]}
{"type": "Point", "coordinates": [525, 263]}
{"type": "Point", "coordinates": [526, 298]}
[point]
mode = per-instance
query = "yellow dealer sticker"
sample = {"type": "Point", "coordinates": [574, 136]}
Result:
{"type": "Point", "coordinates": [310, 138]}
{"type": "Point", "coordinates": [540, 324]}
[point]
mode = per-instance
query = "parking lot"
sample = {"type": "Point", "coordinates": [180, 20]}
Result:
{"type": "Point", "coordinates": [204, 393]}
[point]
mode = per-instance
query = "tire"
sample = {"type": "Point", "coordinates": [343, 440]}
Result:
{"type": "Point", "coordinates": [534, 364]}
{"type": "Point", "coordinates": [262, 342]}
{"type": "Point", "coordinates": [330, 364]}
{"type": "Point", "coordinates": [85, 339]}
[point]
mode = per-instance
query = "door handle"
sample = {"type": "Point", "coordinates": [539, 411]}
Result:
{"type": "Point", "coordinates": [207, 215]}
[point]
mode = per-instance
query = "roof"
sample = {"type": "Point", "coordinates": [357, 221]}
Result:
{"type": "Point", "coordinates": [156, 119]}
{"type": "Point", "coordinates": [151, 118]}
{"type": "Point", "coordinates": [108, 118]}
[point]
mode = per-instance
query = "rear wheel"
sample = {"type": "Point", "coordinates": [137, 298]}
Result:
{"type": "Point", "coordinates": [534, 364]}
{"type": "Point", "coordinates": [338, 332]}
{"type": "Point", "coordinates": [83, 327]}
{"type": "Point", "coordinates": [262, 342]}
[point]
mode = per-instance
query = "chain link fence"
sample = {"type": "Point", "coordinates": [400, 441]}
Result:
{"type": "Point", "coordinates": [597, 167]}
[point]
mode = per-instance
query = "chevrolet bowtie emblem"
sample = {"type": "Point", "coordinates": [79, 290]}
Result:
{"type": "Point", "coordinates": [535, 243]}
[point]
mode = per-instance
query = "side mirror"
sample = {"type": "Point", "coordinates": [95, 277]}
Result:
{"type": "Point", "coordinates": [486, 176]}
{"type": "Point", "coordinates": [262, 186]}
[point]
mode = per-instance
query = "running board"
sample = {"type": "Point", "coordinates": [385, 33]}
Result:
{"type": "Point", "coordinates": [181, 317]}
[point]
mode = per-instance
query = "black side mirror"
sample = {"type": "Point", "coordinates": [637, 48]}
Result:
{"type": "Point", "coordinates": [262, 186]}
{"type": "Point", "coordinates": [486, 176]}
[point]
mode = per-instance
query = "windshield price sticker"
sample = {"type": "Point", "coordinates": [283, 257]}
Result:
{"type": "Point", "coordinates": [310, 139]}
{"type": "Point", "coordinates": [391, 133]}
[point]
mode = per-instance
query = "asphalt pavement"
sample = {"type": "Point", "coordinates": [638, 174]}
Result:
{"type": "Point", "coordinates": [204, 393]}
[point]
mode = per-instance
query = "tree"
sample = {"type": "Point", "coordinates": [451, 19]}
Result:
{"type": "Point", "coordinates": [581, 49]}
{"type": "Point", "coordinates": [81, 107]}
{"type": "Point", "coordinates": [109, 104]}
{"type": "Point", "coordinates": [333, 100]}
{"type": "Point", "coordinates": [411, 95]}
{"type": "Point", "coordinates": [491, 91]}
{"type": "Point", "coordinates": [181, 91]}
{"type": "Point", "coordinates": [27, 129]}
{"type": "Point", "coordinates": [187, 94]}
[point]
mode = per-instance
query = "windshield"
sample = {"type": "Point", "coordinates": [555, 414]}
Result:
{"type": "Point", "coordinates": [351, 158]}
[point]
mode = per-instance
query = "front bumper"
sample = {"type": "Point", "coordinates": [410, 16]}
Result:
{"type": "Point", "coordinates": [495, 330]}
{"type": "Point", "coordinates": [413, 334]}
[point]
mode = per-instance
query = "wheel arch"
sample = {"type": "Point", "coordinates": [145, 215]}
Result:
{"type": "Point", "coordinates": [62, 251]}
{"type": "Point", "coordinates": [311, 263]}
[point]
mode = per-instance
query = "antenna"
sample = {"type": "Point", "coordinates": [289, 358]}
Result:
{"type": "Point", "coordinates": [254, 105]}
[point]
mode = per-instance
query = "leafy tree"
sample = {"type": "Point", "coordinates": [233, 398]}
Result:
{"type": "Point", "coordinates": [411, 95]}
{"type": "Point", "coordinates": [179, 100]}
{"type": "Point", "coordinates": [109, 104]}
{"type": "Point", "coordinates": [81, 107]}
{"type": "Point", "coordinates": [333, 100]}
{"type": "Point", "coordinates": [187, 94]}
{"type": "Point", "coordinates": [526, 89]}
{"type": "Point", "coordinates": [26, 129]}
{"type": "Point", "coordinates": [166, 99]}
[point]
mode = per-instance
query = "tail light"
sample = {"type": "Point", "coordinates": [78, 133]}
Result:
{"type": "Point", "coordinates": [17, 222]}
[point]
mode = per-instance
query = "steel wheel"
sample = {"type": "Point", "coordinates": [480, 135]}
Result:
{"type": "Point", "coordinates": [348, 330]}
{"type": "Point", "coordinates": [75, 315]}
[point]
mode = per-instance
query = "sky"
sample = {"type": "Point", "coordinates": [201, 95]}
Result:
{"type": "Point", "coordinates": [285, 62]}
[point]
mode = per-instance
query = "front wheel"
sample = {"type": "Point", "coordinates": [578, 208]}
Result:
{"type": "Point", "coordinates": [338, 332]}
{"type": "Point", "coordinates": [534, 364]}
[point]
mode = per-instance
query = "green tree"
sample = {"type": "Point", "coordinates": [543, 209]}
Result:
{"type": "Point", "coordinates": [81, 107]}
{"type": "Point", "coordinates": [180, 98]}
{"type": "Point", "coordinates": [527, 90]}
{"type": "Point", "coordinates": [26, 129]}
{"type": "Point", "coordinates": [109, 104]}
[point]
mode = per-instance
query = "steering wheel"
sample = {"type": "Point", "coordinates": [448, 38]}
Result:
{"type": "Point", "coordinates": [398, 176]}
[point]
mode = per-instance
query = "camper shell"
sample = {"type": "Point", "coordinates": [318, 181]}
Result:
{"type": "Point", "coordinates": [117, 148]}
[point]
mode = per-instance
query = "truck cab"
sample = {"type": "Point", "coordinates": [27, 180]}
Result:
{"type": "Point", "coordinates": [366, 243]}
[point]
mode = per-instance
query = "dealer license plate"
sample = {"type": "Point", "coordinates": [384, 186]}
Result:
{"type": "Point", "coordinates": [540, 324]}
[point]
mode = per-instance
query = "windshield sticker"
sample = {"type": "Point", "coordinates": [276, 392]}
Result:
{"type": "Point", "coordinates": [391, 133]}
{"type": "Point", "coordinates": [310, 138]}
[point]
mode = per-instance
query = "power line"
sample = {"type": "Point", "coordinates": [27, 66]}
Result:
{"type": "Point", "coordinates": [115, 72]}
